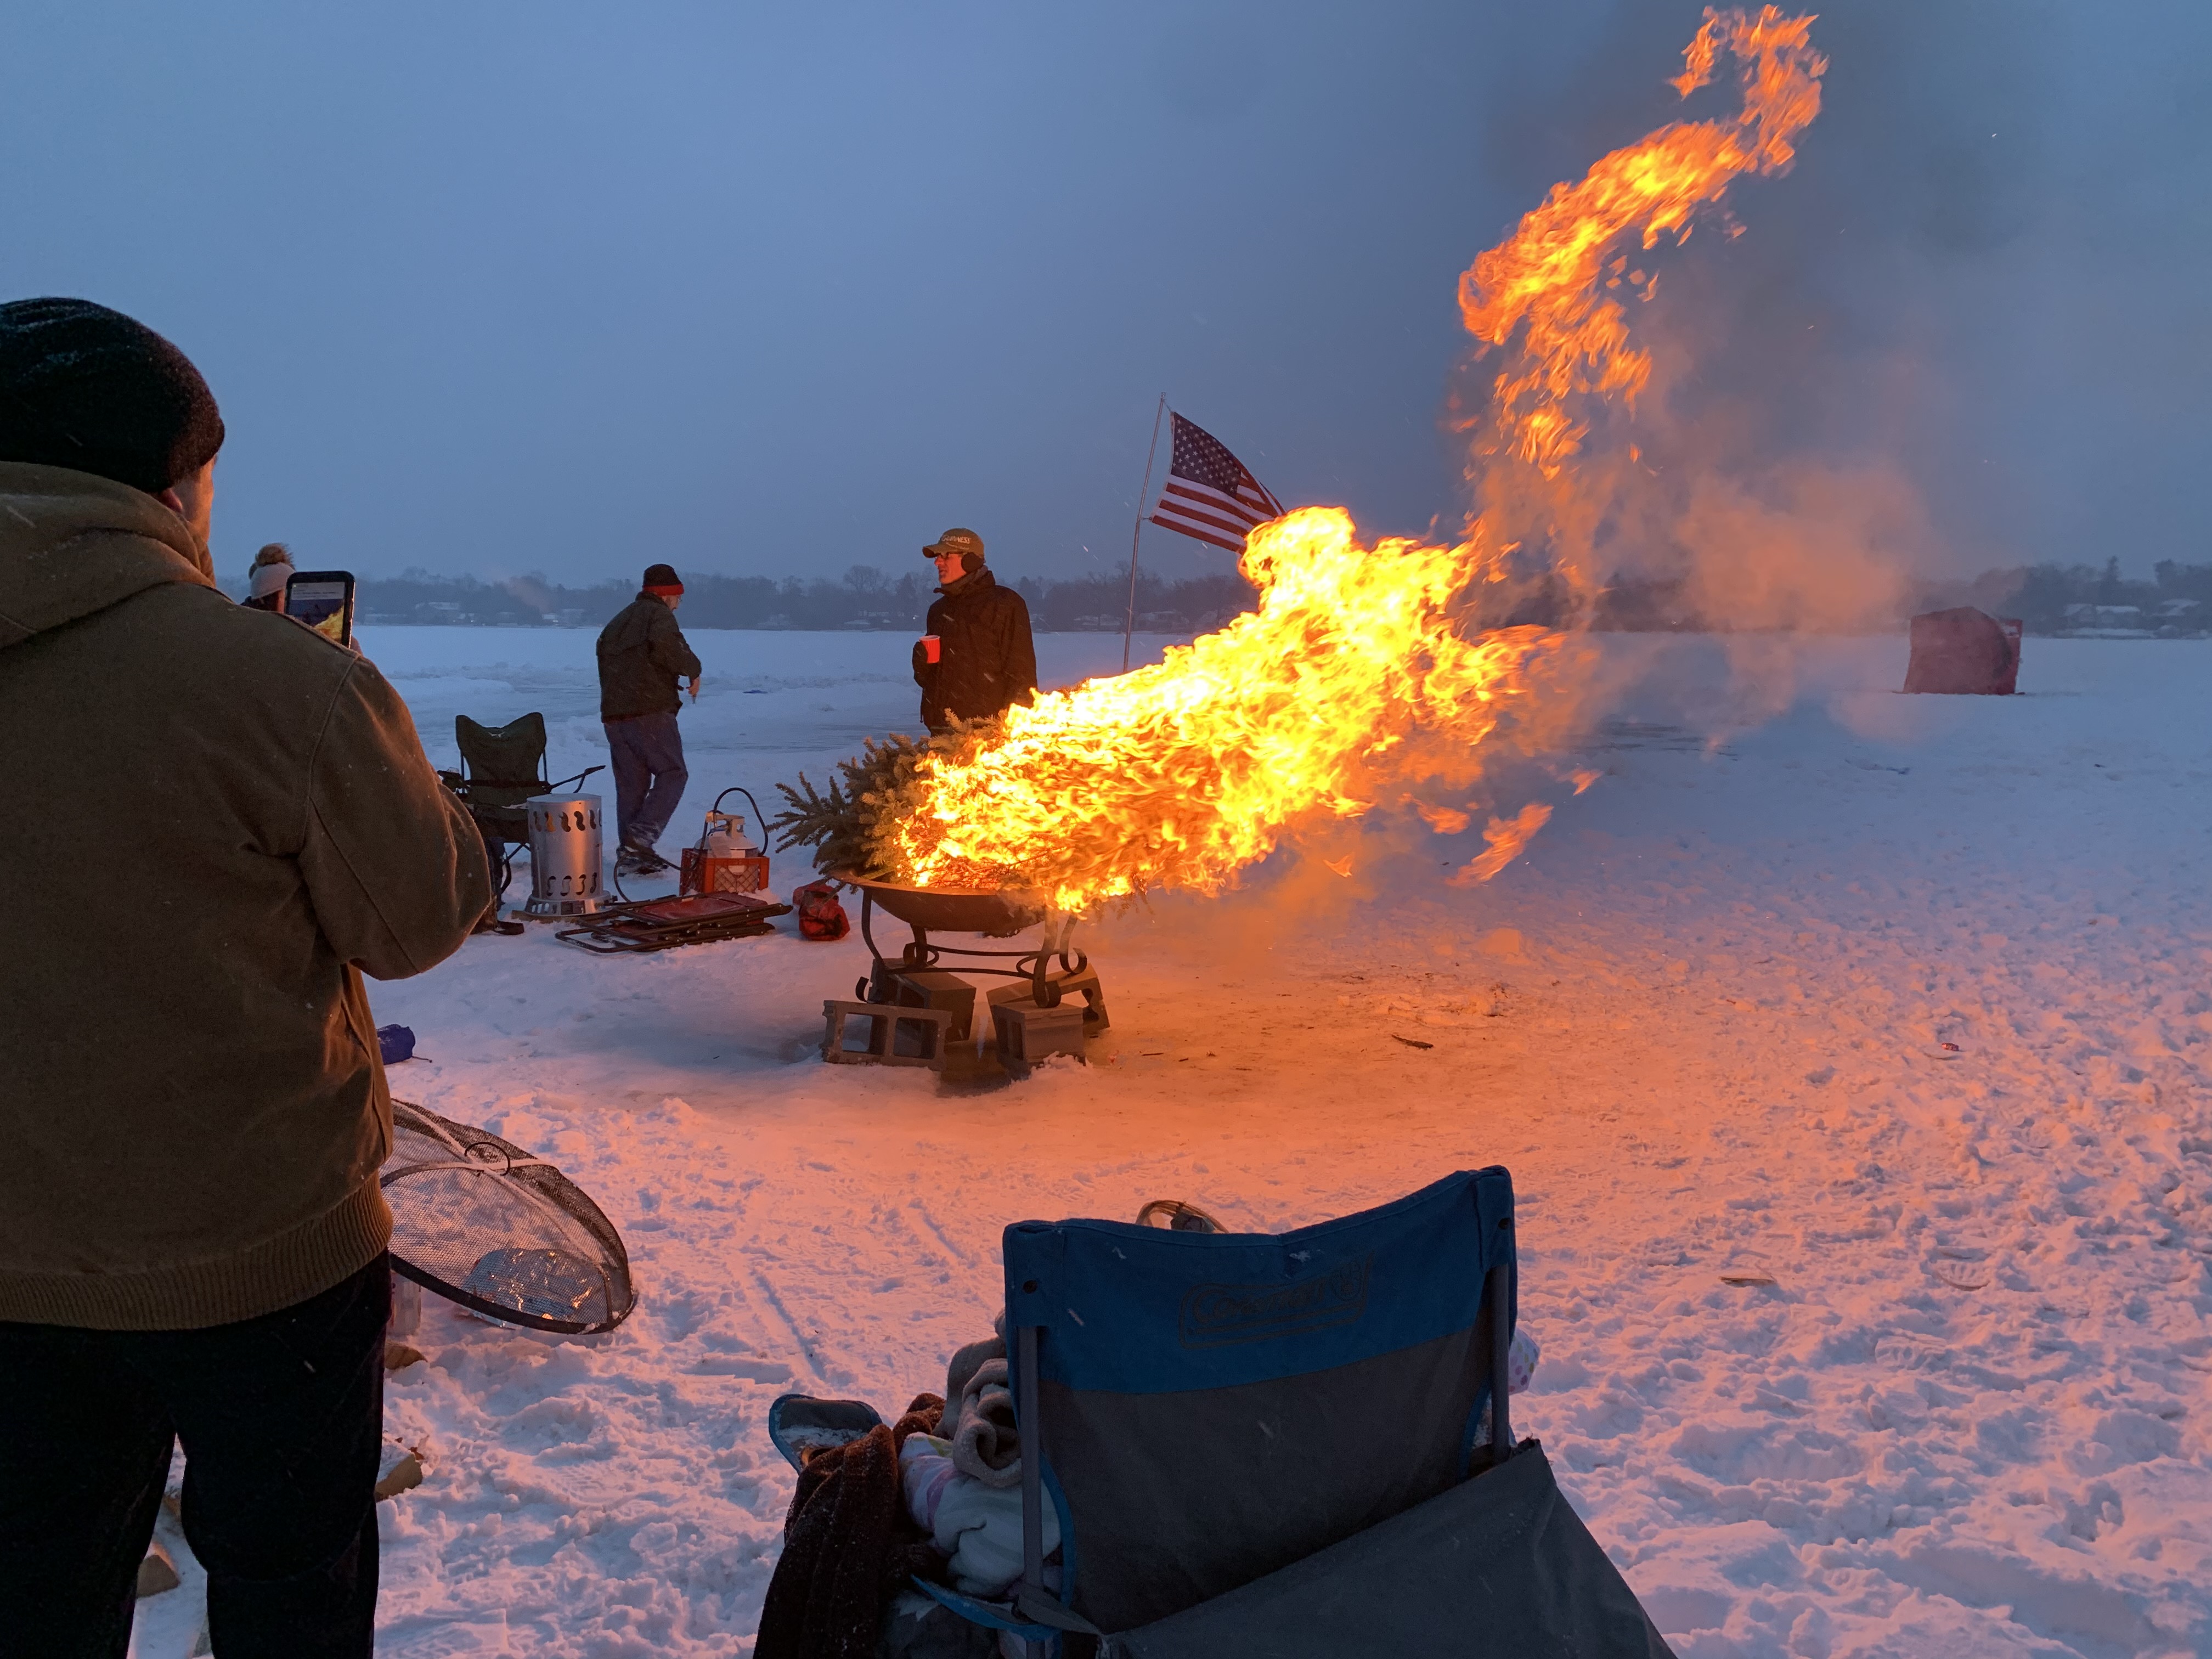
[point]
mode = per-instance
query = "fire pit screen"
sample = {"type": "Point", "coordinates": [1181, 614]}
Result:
{"type": "Point", "coordinates": [478, 1220]}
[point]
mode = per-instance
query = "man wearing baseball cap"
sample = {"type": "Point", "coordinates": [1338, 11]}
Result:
{"type": "Point", "coordinates": [978, 659]}
{"type": "Point", "coordinates": [642, 655]}
{"type": "Point", "coordinates": [192, 1109]}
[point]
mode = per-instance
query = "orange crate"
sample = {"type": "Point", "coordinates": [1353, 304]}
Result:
{"type": "Point", "coordinates": [705, 875]}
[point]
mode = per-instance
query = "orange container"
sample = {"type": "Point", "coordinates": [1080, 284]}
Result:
{"type": "Point", "coordinates": [699, 873]}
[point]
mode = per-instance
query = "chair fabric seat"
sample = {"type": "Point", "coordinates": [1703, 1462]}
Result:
{"type": "Point", "coordinates": [1498, 1565]}
{"type": "Point", "coordinates": [502, 767]}
{"type": "Point", "coordinates": [1289, 1478]}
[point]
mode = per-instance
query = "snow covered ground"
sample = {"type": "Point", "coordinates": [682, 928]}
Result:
{"type": "Point", "coordinates": [1706, 1020]}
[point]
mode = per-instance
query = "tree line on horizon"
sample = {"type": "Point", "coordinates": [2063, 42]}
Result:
{"type": "Point", "coordinates": [863, 598]}
{"type": "Point", "coordinates": [2049, 599]}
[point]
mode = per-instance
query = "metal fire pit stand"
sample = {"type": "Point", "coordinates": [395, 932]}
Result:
{"type": "Point", "coordinates": [1028, 1019]}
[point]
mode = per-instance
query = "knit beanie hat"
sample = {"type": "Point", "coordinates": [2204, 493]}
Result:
{"type": "Point", "coordinates": [86, 387]}
{"type": "Point", "coordinates": [272, 568]}
{"type": "Point", "coordinates": [661, 579]}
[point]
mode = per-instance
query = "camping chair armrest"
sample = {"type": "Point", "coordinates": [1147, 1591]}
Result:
{"type": "Point", "coordinates": [1044, 1608]}
{"type": "Point", "coordinates": [570, 783]}
{"type": "Point", "coordinates": [1499, 1297]}
{"type": "Point", "coordinates": [1031, 1587]}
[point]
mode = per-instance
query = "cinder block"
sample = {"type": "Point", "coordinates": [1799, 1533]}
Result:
{"type": "Point", "coordinates": [1027, 1033]}
{"type": "Point", "coordinates": [1084, 984]}
{"type": "Point", "coordinates": [896, 1035]}
{"type": "Point", "coordinates": [928, 987]}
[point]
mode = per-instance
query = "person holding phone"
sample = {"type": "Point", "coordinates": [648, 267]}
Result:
{"type": "Point", "coordinates": [643, 656]}
{"type": "Point", "coordinates": [192, 1109]}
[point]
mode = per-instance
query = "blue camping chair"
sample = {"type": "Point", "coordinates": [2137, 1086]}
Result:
{"type": "Point", "coordinates": [1267, 1445]}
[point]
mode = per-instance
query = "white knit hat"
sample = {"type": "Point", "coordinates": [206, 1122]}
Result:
{"type": "Point", "coordinates": [271, 574]}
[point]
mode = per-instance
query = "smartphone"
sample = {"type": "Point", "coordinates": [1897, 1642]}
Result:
{"type": "Point", "coordinates": [323, 600]}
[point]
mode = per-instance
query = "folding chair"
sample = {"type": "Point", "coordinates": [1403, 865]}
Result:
{"type": "Point", "coordinates": [1267, 1445]}
{"type": "Point", "coordinates": [502, 767]}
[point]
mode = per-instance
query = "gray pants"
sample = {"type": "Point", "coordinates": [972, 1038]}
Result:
{"type": "Point", "coordinates": [649, 776]}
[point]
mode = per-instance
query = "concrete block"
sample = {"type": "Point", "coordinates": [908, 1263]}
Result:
{"type": "Point", "coordinates": [1082, 986]}
{"type": "Point", "coordinates": [1027, 1034]}
{"type": "Point", "coordinates": [894, 1036]}
{"type": "Point", "coordinates": [928, 987]}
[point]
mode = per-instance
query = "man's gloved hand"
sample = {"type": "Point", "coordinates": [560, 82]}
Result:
{"type": "Point", "coordinates": [921, 662]}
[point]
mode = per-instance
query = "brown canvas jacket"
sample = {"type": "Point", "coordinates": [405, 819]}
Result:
{"type": "Point", "coordinates": [218, 821]}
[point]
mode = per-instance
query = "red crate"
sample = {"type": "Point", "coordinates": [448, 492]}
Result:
{"type": "Point", "coordinates": [705, 875]}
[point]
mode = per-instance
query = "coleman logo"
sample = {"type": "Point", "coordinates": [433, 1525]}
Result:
{"type": "Point", "coordinates": [1218, 1315]}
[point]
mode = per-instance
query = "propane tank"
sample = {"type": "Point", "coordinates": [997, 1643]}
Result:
{"type": "Point", "coordinates": [724, 860]}
{"type": "Point", "coordinates": [726, 837]}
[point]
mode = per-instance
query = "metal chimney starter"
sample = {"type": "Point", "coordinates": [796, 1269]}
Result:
{"type": "Point", "coordinates": [564, 855]}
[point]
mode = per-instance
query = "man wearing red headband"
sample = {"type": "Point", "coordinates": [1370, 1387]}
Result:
{"type": "Point", "coordinates": [642, 655]}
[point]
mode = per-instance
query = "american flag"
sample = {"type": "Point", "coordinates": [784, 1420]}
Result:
{"type": "Point", "coordinates": [1209, 494]}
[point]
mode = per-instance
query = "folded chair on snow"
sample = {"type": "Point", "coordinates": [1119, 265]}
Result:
{"type": "Point", "coordinates": [502, 767]}
{"type": "Point", "coordinates": [1267, 1445]}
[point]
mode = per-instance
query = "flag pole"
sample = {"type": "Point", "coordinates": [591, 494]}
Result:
{"type": "Point", "coordinates": [1143, 494]}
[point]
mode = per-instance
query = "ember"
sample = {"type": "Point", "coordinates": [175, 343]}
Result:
{"type": "Point", "coordinates": [1358, 677]}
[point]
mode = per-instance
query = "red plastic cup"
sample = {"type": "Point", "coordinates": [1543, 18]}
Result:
{"type": "Point", "coordinates": [929, 647]}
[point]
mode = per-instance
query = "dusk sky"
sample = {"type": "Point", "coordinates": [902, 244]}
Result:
{"type": "Point", "coordinates": [496, 289]}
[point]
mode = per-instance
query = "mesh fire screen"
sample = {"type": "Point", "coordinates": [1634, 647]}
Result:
{"type": "Point", "coordinates": [478, 1220]}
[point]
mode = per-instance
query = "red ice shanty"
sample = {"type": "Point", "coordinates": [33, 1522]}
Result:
{"type": "Point", "coordinates": [1964, 650]}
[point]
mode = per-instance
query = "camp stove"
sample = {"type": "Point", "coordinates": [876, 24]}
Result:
{"type": "Point", "coordinates": [565, 856]}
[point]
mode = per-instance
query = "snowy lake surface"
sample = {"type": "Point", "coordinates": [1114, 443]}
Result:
{"type": "Point", "coordinates": [1895, 1007]}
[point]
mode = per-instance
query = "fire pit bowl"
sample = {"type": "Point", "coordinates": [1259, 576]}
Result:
{"type": "Point", "coordinates": [953, 909]}
{"type": "Point", "coordinates": [926, 974]}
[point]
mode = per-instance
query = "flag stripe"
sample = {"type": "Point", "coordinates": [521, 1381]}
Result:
{"type": "Point", "coordinates": [1196, 502]}
{"type": "Point", "coordinates": [1216, 498]}
{"type": "Point", "coordinates": [1198, 487]}
{"type": "Point", "coordinates": [1231, 526]}
{"type": "Point", "coordinates": [1199, 535]}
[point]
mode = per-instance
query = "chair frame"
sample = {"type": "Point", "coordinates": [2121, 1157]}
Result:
{"type": "Point", "coordinates": [498, 845]}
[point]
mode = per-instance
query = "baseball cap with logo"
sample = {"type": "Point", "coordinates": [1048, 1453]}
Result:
{"type": "Point", "coordinates": [966, 542]}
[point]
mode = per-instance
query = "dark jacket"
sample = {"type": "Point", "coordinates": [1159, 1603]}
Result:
{"type": "Point", "coordinates": [192, 1110]}
{"type": "Point", "coordinates": [642, 655]}
{"type": "Point", "coordinates": [986, 660]}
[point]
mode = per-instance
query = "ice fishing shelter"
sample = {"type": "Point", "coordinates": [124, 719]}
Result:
{"type": "Point", "coordinates": [1285, 1444]}
{"type": "Point", "coordinates": [1964, 650]}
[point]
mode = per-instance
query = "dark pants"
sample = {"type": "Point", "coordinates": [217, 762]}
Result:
{"type": "Point", "coordinates": [649, 776]}
{"type": "Point", "coordinates": [282, 1418]}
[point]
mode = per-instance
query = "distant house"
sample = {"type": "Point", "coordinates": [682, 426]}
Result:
{"type": "Point", "coordinates": [2107, 621]}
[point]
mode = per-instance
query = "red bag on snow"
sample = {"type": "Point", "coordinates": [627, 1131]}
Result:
{"type": "Point", "coordinates": [820, 916]}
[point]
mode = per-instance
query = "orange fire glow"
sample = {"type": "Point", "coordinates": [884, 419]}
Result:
{"type": "Point", "coordinates": [1557, 280]}
{"type": "Point", "coordinates": [1340, 690]}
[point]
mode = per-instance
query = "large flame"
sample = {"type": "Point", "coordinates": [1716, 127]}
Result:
{"type": "Point", "coordinates": [1554, 276]}
{"type": "Point", "coordinates": [1353, 674]}
{"type": "Point", "coordinates": [1178, 773]}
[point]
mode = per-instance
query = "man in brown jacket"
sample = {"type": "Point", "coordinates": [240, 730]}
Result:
{"type": "Point", "coordinates": [223, 820]}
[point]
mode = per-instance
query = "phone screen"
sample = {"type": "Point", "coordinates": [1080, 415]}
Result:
{"type": "Point", "coordinates": [323, 600]}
